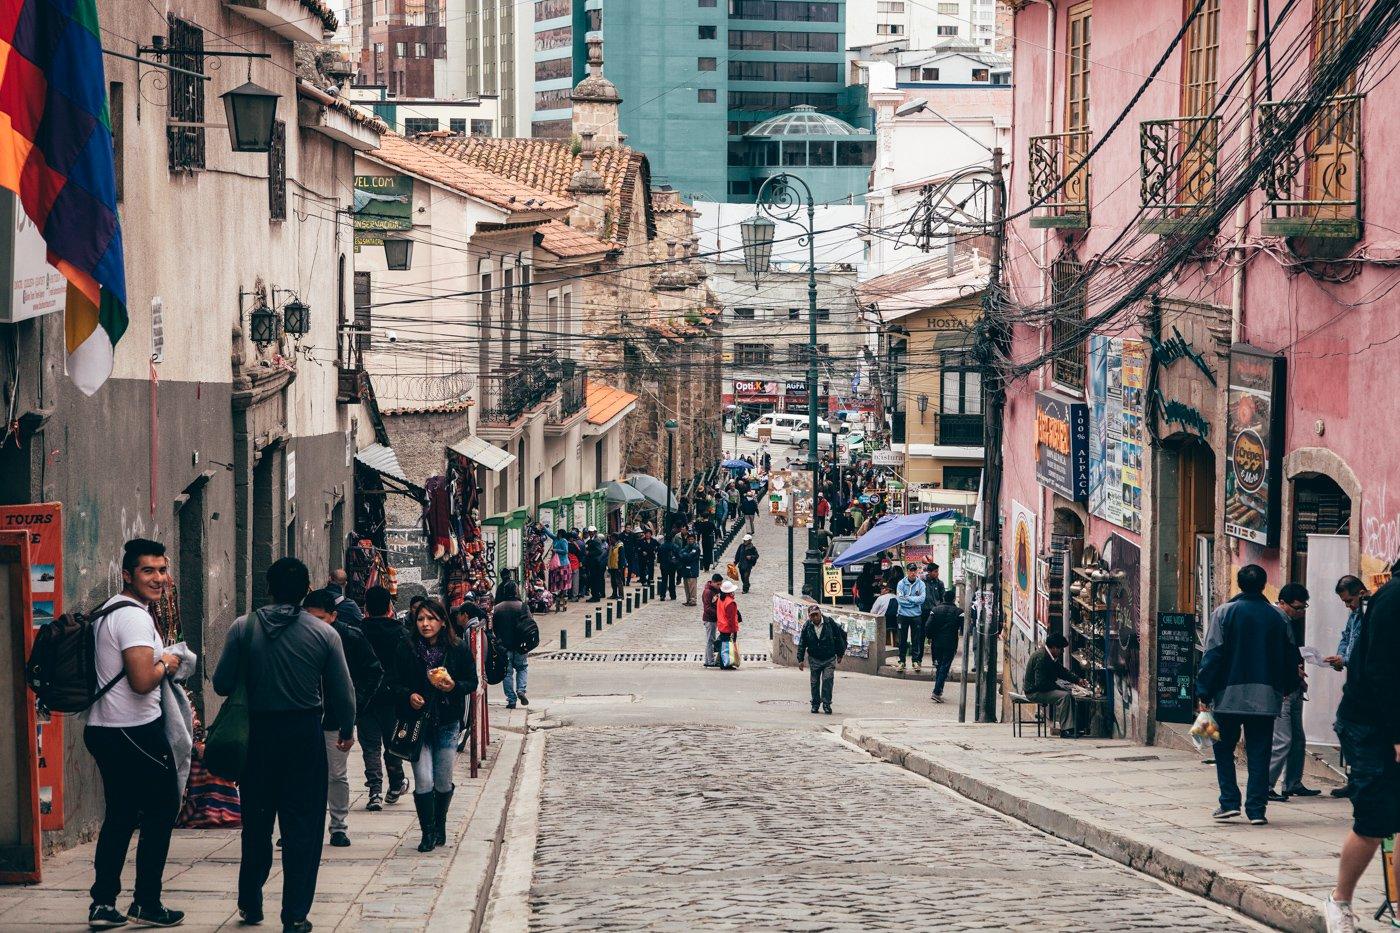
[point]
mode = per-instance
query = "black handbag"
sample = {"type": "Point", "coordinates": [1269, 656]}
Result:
{"type": "Point", "coordinates": [406, 741]}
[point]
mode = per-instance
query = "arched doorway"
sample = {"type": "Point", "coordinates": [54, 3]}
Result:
{"type": "Point", "coordinates": [1320, 507]}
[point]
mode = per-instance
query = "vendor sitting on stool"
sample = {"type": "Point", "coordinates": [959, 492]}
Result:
{"type": "Point", "coordinates": [1048, 681]}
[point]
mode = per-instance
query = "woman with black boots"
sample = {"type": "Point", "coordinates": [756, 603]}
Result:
{"type": "Point", "coordinates": [436, 675]}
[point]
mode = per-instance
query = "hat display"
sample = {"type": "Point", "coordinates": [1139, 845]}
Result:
{"type": "Point", "coordinates": [728, 587]}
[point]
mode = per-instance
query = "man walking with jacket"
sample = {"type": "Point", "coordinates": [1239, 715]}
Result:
{"type": "Point", "coordinates": [1250, 664]}
{"type": "Point", "coordinates": [910, 595]}
{"type": "Point", "coordinates": [709, 616]}
{"type": "Point", "coordinates": [821, 644]}
{"type": "Point", "coordinates": [377, 714]}
{"type": "Point", "coordinates": [595, 553]}
{"type": "Point", "coordinates": [748, 508]}
{"type": "Point", "coordinates": [516, 628]}
{"type": "Point", "coordinates": [367, 676]}
{"type": "Point", "coordinates": [745, 558]}
{"type": "Point", "coordinates": [689, 567]}
{"type": "Point", "coordinates": [668, 555]}
{"type": "Point", "coordinates": [945, 622]}
{"type": "Point", "coordinates": [286, 657]}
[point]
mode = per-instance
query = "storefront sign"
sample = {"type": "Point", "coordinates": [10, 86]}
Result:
{"type": "Point", "coordinates": [1062, 445]}
{"type": "Point", "coordinates": [1117, 433]}
{"type": "Point", "coordinates": [36, 286]}
{"type": "Point", "coordinates": [1176, 666]}
{"type": "Point", "coordinates": [382, 202]}
{"type": "Point", "coordinates": [974, 563]}
{"type": "Point", "coordinates": [887, 458]}
{"type": "Point", "coordinates": [1176, 347]}
{"type": "Point", "coordinates": [1022, 568]}
{"type": "Point", "coordinates": [1254, 445]}
{"type": "Point", "coordinates": [747, 387]}
{"type": "Point", "coordinates": [44, 525]}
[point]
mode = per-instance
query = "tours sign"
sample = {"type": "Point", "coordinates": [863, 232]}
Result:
{"type": "Point", "coordinates": [1062, 445]}
{"type": "Point", "coordinates": [1254, 445]}
{"type": "Point", "coordinates": [382, 202]}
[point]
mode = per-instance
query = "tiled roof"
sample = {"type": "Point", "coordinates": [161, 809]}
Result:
{"type": "Point", "coordinates": [340, 105]}
{"type": "Point", "coordinates": [562, 240]}
{"type": "Point", "coordinates": [550, 164]}
{"type": "Point", "coordinates": [927, 285]}
{"type": "Point", "coordinates": [465, 177]}
{"type": "Point", "coordinates": [605, 402]}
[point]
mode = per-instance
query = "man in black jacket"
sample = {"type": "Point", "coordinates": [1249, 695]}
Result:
{"type": "Point", "coordinates": [515, 627]}
{"type": "Point", "coordinates": [1368, 724]}
{"type": "Point", "coordinates": [376, 720]}
{"type": "Point", "coordinates": [745, 557]}
{"type": "Point", "coordinates": [945, 622]}
{"type": "Point", "coordinates": [822, 644]}
{"type": "Point", "coordinates": [595, 559]}
{"type": "Point", "coordinates": [367, 676]}
{"type": "Point", "coordinates": [646, 557]}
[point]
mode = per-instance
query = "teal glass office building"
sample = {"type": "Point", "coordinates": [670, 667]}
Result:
{"type": "Point", "coordinates": [698, 76]}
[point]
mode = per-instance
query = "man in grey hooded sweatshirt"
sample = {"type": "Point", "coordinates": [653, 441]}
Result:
{"type": "Point", "coordinates": [286, 655]}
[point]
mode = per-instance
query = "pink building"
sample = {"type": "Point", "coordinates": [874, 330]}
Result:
{"type": "Point", "coordinates": [1146, 440]}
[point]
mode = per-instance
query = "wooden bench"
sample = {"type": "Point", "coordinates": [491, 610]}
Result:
{"type": "Point", "coordinates": [1019, 702]}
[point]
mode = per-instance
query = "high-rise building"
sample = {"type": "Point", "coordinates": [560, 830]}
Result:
{"type": "Point", "coordinates": [921, 24]}
{"type": "Point", "coordinates": [485, 50]}
{"type": "Point", "coordinates": [696, 76]}
{"type": "Point", "coordinates": [397, 44]}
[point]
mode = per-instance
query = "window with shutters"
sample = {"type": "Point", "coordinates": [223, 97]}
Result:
{"type": "Point", "coordinates": [753, 354]}
{"type": "Point", "coordinates": [1077, 68]}
{"type": "Point", "coordinates": [277, 172]}
{"type": "Point", "coordinates": [1067, 326]}
{"type": "Point", "coordinates": [185, 96]}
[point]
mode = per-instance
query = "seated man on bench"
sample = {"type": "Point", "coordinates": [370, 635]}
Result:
{"type": "Point", "coordinates": [1048, 681]}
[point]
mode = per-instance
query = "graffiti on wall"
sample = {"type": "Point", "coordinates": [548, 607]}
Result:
{"type": "Point", "coordinates": [1380, 531]}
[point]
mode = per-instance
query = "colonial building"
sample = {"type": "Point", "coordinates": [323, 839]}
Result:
{"type": "Point", "coordinates": [219, 431]}
{"type": "Point", "coordinates": [644, 319]}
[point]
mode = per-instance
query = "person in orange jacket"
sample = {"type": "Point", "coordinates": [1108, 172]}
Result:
{"type": "Point", "coordinates": [727, 622]}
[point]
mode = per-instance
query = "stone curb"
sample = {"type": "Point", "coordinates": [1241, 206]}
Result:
{"type": "Point", "coordinates": [1253, 896]}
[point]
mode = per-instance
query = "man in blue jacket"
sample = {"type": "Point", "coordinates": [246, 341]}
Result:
{"type": "Point", "coordinates": [910, 594]}
{"type": "Point", "coordinates": [1250, 665]}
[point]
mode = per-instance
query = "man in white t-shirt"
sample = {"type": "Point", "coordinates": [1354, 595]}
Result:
{"type": "Point", "coordinates": [126, 736]}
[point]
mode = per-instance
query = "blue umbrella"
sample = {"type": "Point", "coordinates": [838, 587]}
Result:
{"type": "Point", "coordinates": [888, 532]}
{"type": "Point", "coordinates": [741, 465]}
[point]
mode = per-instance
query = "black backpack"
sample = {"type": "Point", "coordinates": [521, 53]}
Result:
{"type": "Point", "coordinates": [496, 661]}
{"type": "Point", "coordinates": [528, 634]}
{"type": "Point", "coordinates": [62, 667]}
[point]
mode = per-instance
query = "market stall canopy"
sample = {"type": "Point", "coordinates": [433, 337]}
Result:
{"type": "Point", "coordinates": [622, 492]}
{"type": "Point", "coordinates": [654, 490]}
{"type": "Point", "coordinates": [478, 451]}
{"type": "Point", "coordinates": [737, 465]}
{"type": "Point", "coordinates": [890, 531]}
{"type": "Point", "coordinates": [381, 459]}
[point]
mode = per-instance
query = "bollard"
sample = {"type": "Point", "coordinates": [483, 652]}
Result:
{"type": "Point", "coordinates": [651, 591]}
{"type": "Point", "coordinates": [646, 594]}
{"type": "Point", "coordinates": [563, 638]}
{"type": "Point", "coordinates": [598, 619]}
{"type": "Point", "coordinates": [629, 602]}
{"type": "Point", "coordinates": [587, 627]}
{"type": "Point", "coordinates": [770, 631]}
{"type": "Point", "coordinates": [618, 605]}
{"type": "Point", "coordinates": [610, 614]}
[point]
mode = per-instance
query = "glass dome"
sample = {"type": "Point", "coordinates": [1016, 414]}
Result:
{"type": "Point", "coordinates": [804, 120]}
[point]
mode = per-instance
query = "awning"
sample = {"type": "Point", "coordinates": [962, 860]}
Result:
{"type": "Point", "coordinates": [383, 460]}
{"type": "Point", "coordinates": [478, 451]}
{"type": "Point", "coordinates": [888, 532]}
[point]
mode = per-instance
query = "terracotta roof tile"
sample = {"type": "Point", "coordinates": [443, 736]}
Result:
{"type": "Point", "coordinates": [493, 188]}
{"type": "Point", "coordinates": [562, 240]}
{"type": "Point", "coordinates": [605, 402]}
{"type": "Point", "coordinates": [550, 164]}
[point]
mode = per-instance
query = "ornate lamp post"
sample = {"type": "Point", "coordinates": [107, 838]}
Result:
{"type": "Point", "coordinates": [782, 197]}
{"type": "Point", "coordinates": [671, 428]}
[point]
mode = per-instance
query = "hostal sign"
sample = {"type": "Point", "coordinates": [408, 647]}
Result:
{"type": "Point", "coordinates": [1062, 445]}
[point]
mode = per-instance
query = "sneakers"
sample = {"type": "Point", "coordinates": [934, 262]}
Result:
{"type": "Point", "coordinates": [340, 839]}
{"type": "Point", "coordinates": [524, 700]}
{"type": "Point", "coordinates": [375, 802]}
{"type": "Point", "coordinates": [396, 792]}
{"type": "Point", "coordinates": [827, 710]}
{"type": "Point", "coordinates": [297, 926]}
{"type": "Point", "coordinates": [510, 705]}
{"type": "Point", "coordinates": [1225, 813]}
{"type": "Point", "coordinates": [936, 697]}
{"type": "Point", "coordinates": [107, 917]}
{"type": "Point", "coordinates": [918, 668]}
{"type": "Point", "coordinates": [1301, 791]}
{"type": "Point", "coordinates": [1258, 821]}
{"type": "Point", "coordinates": [156, 916]}
{"type": "Point", "coordinates": [902, 667]}
{"type": "Point", "coordinates": [1340, 919]}
{"type": "Point", "coordinates": [816, 710]}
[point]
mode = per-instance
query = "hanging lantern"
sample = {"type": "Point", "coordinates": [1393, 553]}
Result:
{"type": "Point", "coordinates": [296, 318]}
{"type": "Point", "coordinates": [398, 253]}
{"type": "Point", "coordinates": [251, 111]}
{"type": "Point", "coordinates": [756, 234]}
{"type": "Point", "coordinates": [262, 325]}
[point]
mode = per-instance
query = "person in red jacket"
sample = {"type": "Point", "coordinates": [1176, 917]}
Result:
{"type": "Point", "coordinates": [821, 510]}
{"type": "Point", "coordinates": [727, 622]}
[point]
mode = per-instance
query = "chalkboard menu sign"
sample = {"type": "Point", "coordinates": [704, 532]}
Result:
{"type": "Point", "coordinates": [1176, 666]}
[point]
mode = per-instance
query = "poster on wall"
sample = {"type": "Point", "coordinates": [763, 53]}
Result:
{"type": "Point", "coordinates": [382, 202]}
{"type": "Point", "coordinates": [1023, 568]}
{"type": "Point", "coordinates": [1117, 429]}
{"type": "Point", "coordinates": [44, 525]}
{"type": "Point", "coordinates": [1062, 445]}
{"type": "Point", "coordinates": [800, 498]}
{"type": "Point", "coordinates": [545, 516]}
{"type": "Point", "coordinates": [1254, 445]}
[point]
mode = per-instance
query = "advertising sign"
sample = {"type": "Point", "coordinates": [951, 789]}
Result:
{"type": "Point", "coordinates": [382, 202]}
{"type": "Point", "coordinates": [831, 581]}
{"type": "Point", "coordinates": [887, 458]}
{"type": "Point", "coordinates": [44, 525]}
{"type": "Point", "coordinates": [1254, 445]}
{"type": "Point", "coordinates": [1062, 445]}
{"type": "Point", "coordinates": [1117, 429]}
{"type": "Point", "coordinates": [36, 286]}
{"type": "Point", "coordinates": [800, 498]}
{"type": "Point", "coordinates": [974, 563]}
{"type": "Point", "coordinates": [749, 387]}
{"type": "Point", "coordinates": [1023, 568]}
{"type": "Point", "coordinates": [1176, 678]}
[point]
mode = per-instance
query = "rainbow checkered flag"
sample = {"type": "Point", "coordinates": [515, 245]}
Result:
{"type": "Point", "coordinates": [56, 155]}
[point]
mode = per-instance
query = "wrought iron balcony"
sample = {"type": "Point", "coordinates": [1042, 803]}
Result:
{"type": "Point", "coordinates": [1314, 188]}
{"type": "Point", "coordinates": [1178, 170]}
{"type": "Point", "coordinates": [960, 430]}
{"type": "Point", "coordinates": [510, 391]}
{"type": "Point", "coordinates": [1056, 158]}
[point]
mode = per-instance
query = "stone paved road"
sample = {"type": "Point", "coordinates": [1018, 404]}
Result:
{"type": "Point", "coordinates": [680, 827]}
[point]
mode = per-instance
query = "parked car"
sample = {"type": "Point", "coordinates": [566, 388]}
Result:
{"type": "Point", "coordinates": [848, 574]}
{"type": "Point", "coordinates": [791, 428]}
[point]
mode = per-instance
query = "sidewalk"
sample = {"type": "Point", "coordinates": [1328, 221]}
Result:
{"type": "Point", "coordinates": [1146, 807]}
{"type": "Point", "coordinates": [381, 882]}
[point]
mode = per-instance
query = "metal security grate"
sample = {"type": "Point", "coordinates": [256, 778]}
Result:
{"type": "Point", "coordinates": [664, 657]}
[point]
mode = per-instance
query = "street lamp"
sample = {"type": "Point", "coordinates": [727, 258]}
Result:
{"type": "Point", "coordinates": [398, 253]}
{"type": "Point", "coordinates": [671, 428]}
{"type": "Point", "coordinates": [782, 197]}
{"type": "Point", "coordinates": [251, 112]}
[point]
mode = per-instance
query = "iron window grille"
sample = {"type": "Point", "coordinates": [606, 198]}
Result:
{"type": "Point", "coordinates": [1067, 326]}
{"type": "Point", "coordinates": [277, 172]}
{"type": "Point", "coordinates": [185, 96]}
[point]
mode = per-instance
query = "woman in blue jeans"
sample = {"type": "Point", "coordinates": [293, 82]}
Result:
{"type": "Point", "coordinates": [435, 675]}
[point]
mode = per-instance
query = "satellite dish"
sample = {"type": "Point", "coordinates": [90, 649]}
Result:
{"type": "Point", "coordinates": [911, 107]}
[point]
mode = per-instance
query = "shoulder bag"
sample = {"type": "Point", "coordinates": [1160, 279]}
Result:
{"type": "Point", "coordinates": [226, 742]}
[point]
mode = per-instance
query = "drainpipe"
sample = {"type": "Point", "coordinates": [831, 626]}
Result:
{"type": "Point", "coordinates": [1251, 44]}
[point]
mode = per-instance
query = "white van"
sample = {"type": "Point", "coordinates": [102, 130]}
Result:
{"type": "Point", "coordinates": [791, 428]}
